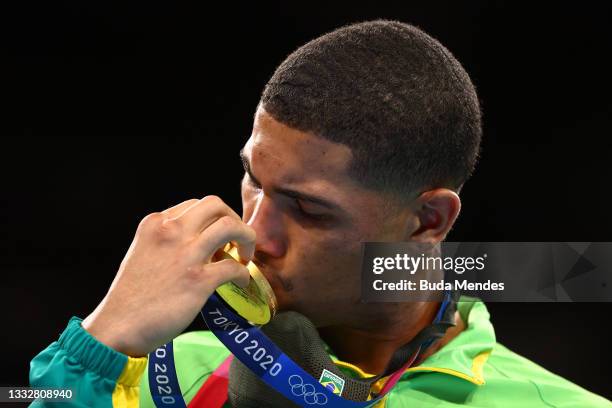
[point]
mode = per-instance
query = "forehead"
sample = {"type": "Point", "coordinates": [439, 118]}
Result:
{"type": "Point", "coordinates": [283, 157]}
{"type": "Point", "coordinates": [290, 156]}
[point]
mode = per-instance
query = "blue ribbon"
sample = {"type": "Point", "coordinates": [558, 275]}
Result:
{"type": "Point", "coordinates": [163, 381]}
{"type": "Point", "coordinates": [255, 350]}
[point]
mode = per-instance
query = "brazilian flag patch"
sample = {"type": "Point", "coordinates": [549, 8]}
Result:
{"type": "Point", "coordinates": [332, 382]}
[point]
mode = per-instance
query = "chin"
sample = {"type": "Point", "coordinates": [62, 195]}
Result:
{"type": "Point", "coordinates": [319, 318]}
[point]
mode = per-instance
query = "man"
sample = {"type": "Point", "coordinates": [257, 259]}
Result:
{"type": "Point", "coordinates": [367, 133]}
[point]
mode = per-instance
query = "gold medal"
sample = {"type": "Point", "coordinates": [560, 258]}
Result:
{"type": "Point", "coordinates": [256, 303]}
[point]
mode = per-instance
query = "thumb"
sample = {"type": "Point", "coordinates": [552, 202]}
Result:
{"type": "Point", "coordinates": [228, 270]}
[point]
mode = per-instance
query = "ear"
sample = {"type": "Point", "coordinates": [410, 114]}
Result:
{"type": "Point", "coordinates": [436, 211]}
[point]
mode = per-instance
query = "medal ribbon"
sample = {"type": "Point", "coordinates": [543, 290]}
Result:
{"type": "Point", "coordinates": [255, 350]}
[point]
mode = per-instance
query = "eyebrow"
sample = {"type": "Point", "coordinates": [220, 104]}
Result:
{"type": "Point", "coordinates": [287, 191]}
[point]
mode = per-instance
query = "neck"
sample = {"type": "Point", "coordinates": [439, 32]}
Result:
{"type": "Point", "coordinates": [371, 348]}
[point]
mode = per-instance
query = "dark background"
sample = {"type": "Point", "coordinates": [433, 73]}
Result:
{"type": "Point", "coordinates": [113, 111]}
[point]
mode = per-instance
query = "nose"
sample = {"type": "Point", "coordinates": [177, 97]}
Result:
{"type": "Point", "coordinates": [267, 221]}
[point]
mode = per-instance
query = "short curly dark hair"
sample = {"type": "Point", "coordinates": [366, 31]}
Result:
{"type": "Point", "coordinates": [394, 95]}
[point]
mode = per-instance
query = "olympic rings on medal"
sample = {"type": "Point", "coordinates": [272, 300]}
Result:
{"type": "Point", "coordinates": [311, 397]}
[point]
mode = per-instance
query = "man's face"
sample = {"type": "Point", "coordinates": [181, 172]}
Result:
{"type": "Point", "coordinates": [310, 217]}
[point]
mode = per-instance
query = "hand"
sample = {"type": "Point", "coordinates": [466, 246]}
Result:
{"type": "Point", "coordinates": [168, 273]}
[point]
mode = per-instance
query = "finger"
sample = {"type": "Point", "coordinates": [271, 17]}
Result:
{"type": "Point", "coordinates": [245, 252]}
{"type": "Point", "coordinates": [204, 213]}
{"type": "Point", "coordinates": [222, 231]}
{"type": "Point", "coordinates": [227, 270]}
{"type": "Point", "coordinates": [178, 209]}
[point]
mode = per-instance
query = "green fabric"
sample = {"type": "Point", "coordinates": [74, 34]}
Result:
{"type": "Point", "coordinates": [509, 379]}
{"type": "Point", "coordinates": [79, 362]}
{"type": "Point", "coordinates": [196, 356]}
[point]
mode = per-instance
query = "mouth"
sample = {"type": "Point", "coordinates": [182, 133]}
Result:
{"type": "Point", "coordinates": [272, 278]}
{"type": "Point", "coordinates": [258, 263]}
{"type": "Point", "coordinates": [278, 285]}
{"type": "Point", "coordinates": [263, 269]}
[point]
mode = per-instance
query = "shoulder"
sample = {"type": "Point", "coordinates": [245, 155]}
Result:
{"type": "Point", "coordinates": [473, 369]}
{"type": "Point", "coordinates": [201, 338]}
{"type": "Point", "coordinates": [198, 353]}
{"type": "Point", "coordinates": [507, 371]}
{"type": "Point", "coordinates": [510, 380]}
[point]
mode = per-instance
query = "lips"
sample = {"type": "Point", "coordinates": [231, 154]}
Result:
{"type": "Point", "coordinates": [272, 278]}
{"type": "Point", "coordinates": [257, 263]}
{"type": "Point", "coordinates": [265, 272]}
{"type": "Point", "coordinates": [276, 283]}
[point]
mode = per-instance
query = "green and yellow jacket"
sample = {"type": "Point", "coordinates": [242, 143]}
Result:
{"type": "Point", "coordinates": [472, 370]}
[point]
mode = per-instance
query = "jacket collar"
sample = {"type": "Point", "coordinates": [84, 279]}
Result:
{"type": "Point", "coordinates": [462, 358]}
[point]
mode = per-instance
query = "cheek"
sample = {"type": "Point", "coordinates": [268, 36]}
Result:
{"type": "Point", "coordinates": [328, 280]}
{"type": "Point", "coordinates": [323, 260]}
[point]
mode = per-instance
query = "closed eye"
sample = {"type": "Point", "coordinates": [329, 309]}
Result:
{"type": "Point", "coordinates": [250, 180]}
{"type": "Point", "coordinates": [311, 215]}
